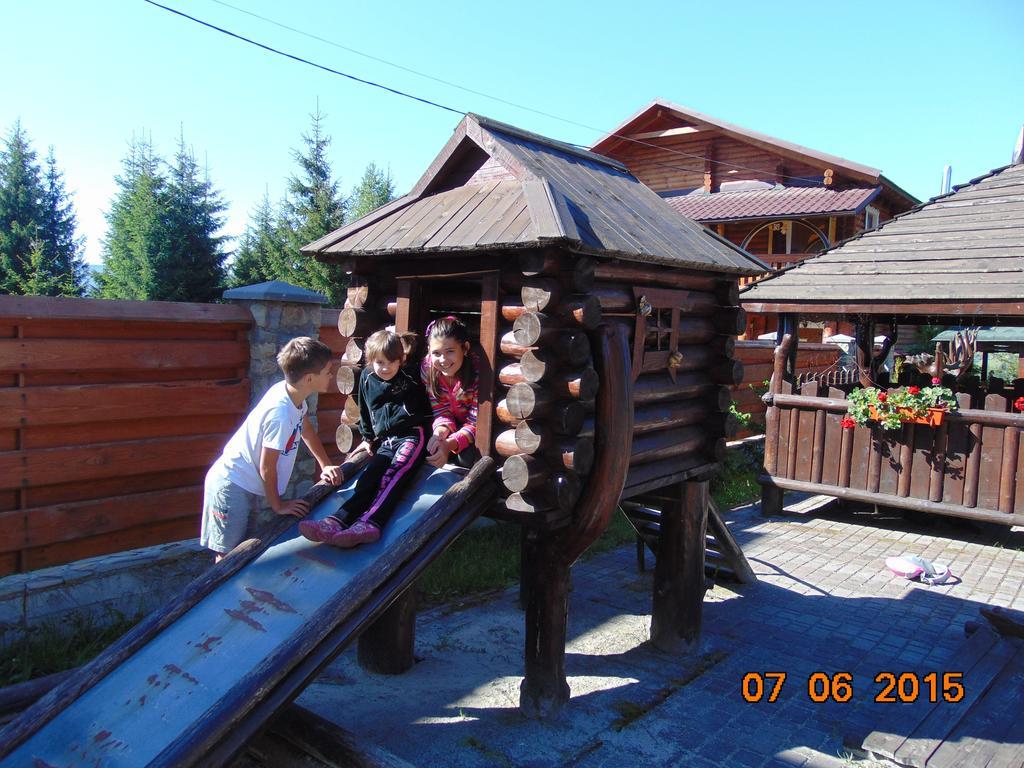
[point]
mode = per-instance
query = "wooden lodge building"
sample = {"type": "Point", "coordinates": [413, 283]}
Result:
{"type": "Point", "coordinates": [777, 200]}
{"type": "Point", "coordinates": [606, 326]}
{"type": "Point", "coordinates": [957, 260]}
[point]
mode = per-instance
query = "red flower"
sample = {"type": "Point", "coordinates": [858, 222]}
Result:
{"type": "Point", "coordinates": [913, 390]}
{"type": "Point", "coordinates": [1019, 403]}
{"type": "Point", "coordinates": [848, 423]}
{"type": "Point", "coordinates": [882, 397]}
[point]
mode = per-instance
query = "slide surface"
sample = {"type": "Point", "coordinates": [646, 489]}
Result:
{"type": "Point", "coordinates": [192, 671]}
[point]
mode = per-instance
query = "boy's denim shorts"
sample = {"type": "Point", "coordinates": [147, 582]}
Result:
{"type": "Point", "coordinates": [226, 510]}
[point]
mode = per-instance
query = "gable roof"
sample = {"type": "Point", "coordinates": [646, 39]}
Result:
{"type": "Point", "coordinates": [536, 192]}
{"type": "Point", "coordinates": [964, 249]}
{"type": "Point", "coordinates": [698, 120]}
{"type": "Point", "coordinates": [771, 203]}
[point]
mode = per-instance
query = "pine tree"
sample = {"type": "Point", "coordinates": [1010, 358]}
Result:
{"type": "Point", "coordinates": [312, 209]}
{"type": "Point", "coordinates": [21, 208]}
{"type": "Point", "coordinates": [192, 268]}
{"type": "Point", "coordinates": [135, 244]}
{"type": "Point", "coordinates": [63, 248]}
{"type": "Point", "coordinates": [39, 251]}
{"type": "Point", "coordinates": [261, 255]}
{"type": "Point", "coordinates": [374, 190]}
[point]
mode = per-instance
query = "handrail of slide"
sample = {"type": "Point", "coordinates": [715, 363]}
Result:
{"type": "Point", "coordinates": [274, 641]}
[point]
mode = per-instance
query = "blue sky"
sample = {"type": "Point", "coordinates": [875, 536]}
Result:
{"type": "Point", "coordinates": [903, 86]}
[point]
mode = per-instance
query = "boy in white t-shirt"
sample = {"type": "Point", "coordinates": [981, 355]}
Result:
{"type": "Point", "coordinates": [259, 457]}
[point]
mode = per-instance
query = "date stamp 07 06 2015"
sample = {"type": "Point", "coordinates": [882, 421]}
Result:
{"type": "Point", "coordinates": [891, 687]}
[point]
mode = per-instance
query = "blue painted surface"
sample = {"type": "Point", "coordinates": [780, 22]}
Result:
{"type": "Point", "coordinates": [135, 712]}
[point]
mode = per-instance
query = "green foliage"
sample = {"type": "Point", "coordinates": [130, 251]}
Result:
{"type": "Point", "coordinates": [1002, 365]}
{"type": "Point", "coordinates": [891, 408]}
{"type": "Point", "coordinates": [39, 252]}
{"type": "Point", "coordinates": [261, 255]}
{"type": "Point", "coordinates": [737, 482]}
{"type": "Point", "coordinates": [374, 190]}
{"type": "Point", "coordinates": [312, 209]}
{"type": "Point", "coordinates": [50, 649]}
{"type": "Point", "coordinates": [162, 241]}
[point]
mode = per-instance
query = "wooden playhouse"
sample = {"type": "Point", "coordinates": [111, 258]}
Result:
{"type": "Point", "coordinates": [606, 326]}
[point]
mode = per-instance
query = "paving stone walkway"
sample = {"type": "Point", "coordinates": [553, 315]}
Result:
{"type": "Point", "coordinates": [824, 605]}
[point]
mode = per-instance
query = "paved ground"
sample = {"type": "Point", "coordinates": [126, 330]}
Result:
{"type": "Point", "coordinates": [824, 602]}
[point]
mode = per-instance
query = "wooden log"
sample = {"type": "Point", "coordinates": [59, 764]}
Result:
{"type": "Point", "coordinates": [731, 321]}
{"type": "Point", "coordinates": [346, 438]}
{"type": "Point", "coordinates": [510, 347]}
{"type": "Point", "coordinates": [539, 294]}
{"type": "Point", "coordinates": [357, 293]}
{"type": "Point", "coordinates": [357, 322]}
{"type": "Point", "coordinates": [560, 493]}
{"type": "Point", "coordinates": [672, 415]}
{"type": "Point", "coordinates": [729, 372]}
{"type": "Point", "coordinates": [728, 292]}
{"type": "Point", "coordinates": [728, 546]}
{"type": "Point", "coordinates": [615, 299]}
{"type": "Point", "coordinates": [353, 352]}
{"type": "Point", "coordinates": [524, 473]}
{"type": "Point", "coordinates": [512, 307]}
{"type": "Point", "coordinates": [534, 329]}
{"type": "Point", "coordinates": [645, 274]}
{"type": "Point", "coordinates": [347, 378]}
{"type": "Point", "coordinates": [351, 411]}
{"type": "Point", "coordinates": [572, 453]}
{"type": "Point", "coordinates": [656, 387]}
{"type": "Point", "coordinates": [579, 385]}
{"type": "Point", "coordinates": [504, 415]}
{"type": "Point", "coordinates": [526, 401]}
{"type": "Point", "coordinates": [654, 446]}
{"type": "Point", "coordinates": [574, 271]}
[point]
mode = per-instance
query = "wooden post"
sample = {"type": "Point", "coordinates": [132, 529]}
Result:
{"type": "Point", "coordinates": [388, 646]}
{"type": "Point", "coordinates": [679, 584]}
{"type": "Point", "coordinates": [489, 299]}
{"type": "Point", "coordinates": [546, 580]}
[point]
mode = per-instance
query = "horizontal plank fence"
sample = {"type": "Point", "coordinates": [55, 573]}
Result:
{"type": "Point", "coordinates": [110, 414]}
{"type": "Point", "coordinates": [971, 466]}
{"type": "Point", "coordinates": [757, 358]}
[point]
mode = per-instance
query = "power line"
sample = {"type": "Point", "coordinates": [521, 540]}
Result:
{"type": "Point", "coordinates": [397, 92]}
{"type": "Point", "coordinates": [293, 57]}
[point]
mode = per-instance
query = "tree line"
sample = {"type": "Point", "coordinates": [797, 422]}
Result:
{"type": "Point", "coordinates": [163, 238]}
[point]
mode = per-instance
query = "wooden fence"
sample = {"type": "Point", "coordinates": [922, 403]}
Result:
{"type": "Point", "coordinates": [110, 414]}
{"type": "Point", "coordinates": [757, 357]}
{"type": "Point", "coordinates": [971, 466]}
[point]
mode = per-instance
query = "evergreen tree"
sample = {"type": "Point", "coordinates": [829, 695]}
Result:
{"type": "Point", "coordinates": [135, 245]}
{"type": "Point", "coordinates": [21, 208]}
{"type": "Point", "coordinates": [312, 209]}
{"type": "Point", "coordinates": [63, 249]}
{"type": "Point", "coordinates": [192, 266]}
{"type": "Point", "coordinates": [374, 190]}
{"type": "Point", "coordinates": [39, 252]}
{"type": "Point", "coordinates": [262, 253]}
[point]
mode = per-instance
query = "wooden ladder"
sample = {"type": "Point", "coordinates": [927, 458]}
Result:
{"type": "Point", "coordinates": [722, 555]}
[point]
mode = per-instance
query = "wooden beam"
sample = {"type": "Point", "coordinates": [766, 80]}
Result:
{"type": "Point", "coordinates": [682, 131]}
{"type": "Point", "coordinates": [489, 333]}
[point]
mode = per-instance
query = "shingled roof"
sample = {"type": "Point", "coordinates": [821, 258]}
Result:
{"type": "Point", "coordinates": [771, 203]}
{"type": "Point", "coordinates": [495, 186]}
{"type": "Point", "coordinates": [962, 253]}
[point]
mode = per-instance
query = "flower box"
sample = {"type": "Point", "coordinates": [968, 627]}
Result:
{"type": "Point", "coordinates": [933, 417]}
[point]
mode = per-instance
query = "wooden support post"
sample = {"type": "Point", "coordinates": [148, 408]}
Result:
{"type": "Point", "coordinates": [388, 646]}
{"type": "Point", "coordinates": [679, 584]}
{"type": "Point", "coordinates": [489, 299]}
{"type": "Point", "coordinates": [546, 579]}
{"type": "Point", "coordinates": [865, 332]}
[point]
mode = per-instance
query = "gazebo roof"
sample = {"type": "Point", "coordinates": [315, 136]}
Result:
{"type": "Point", "coordinates": [960, 254]}
{"type": "Point", "coordinates": [494, 186]}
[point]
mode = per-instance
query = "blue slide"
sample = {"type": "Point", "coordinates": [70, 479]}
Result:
{"type": "Point", "coordinates": [205, 683]}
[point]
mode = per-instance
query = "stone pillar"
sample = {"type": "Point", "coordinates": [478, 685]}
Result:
{"type": "Point", "coordinates": [280, 312]}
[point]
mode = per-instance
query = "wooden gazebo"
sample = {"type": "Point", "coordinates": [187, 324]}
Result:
{"type": "Point", "coordinates": [957, 260]}
{"type": "Point", "coordinates": [606, 326]}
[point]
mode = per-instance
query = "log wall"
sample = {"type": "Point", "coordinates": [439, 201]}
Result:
{"type": "Point", "coordinates": [110, 414]}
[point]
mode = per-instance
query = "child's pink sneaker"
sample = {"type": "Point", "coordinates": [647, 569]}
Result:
{"type": "Point", "coordinates": [357, 533]}
{"type": "Point", "coordinates": [320, 530]}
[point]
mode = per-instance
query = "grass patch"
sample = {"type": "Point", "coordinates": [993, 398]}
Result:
{"type": "Point", "coordinates": [737, 482]}
{"type": "Point", "coordinates": [51, 649]}
{"type": "Point", "coordinates": [481, 559]}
